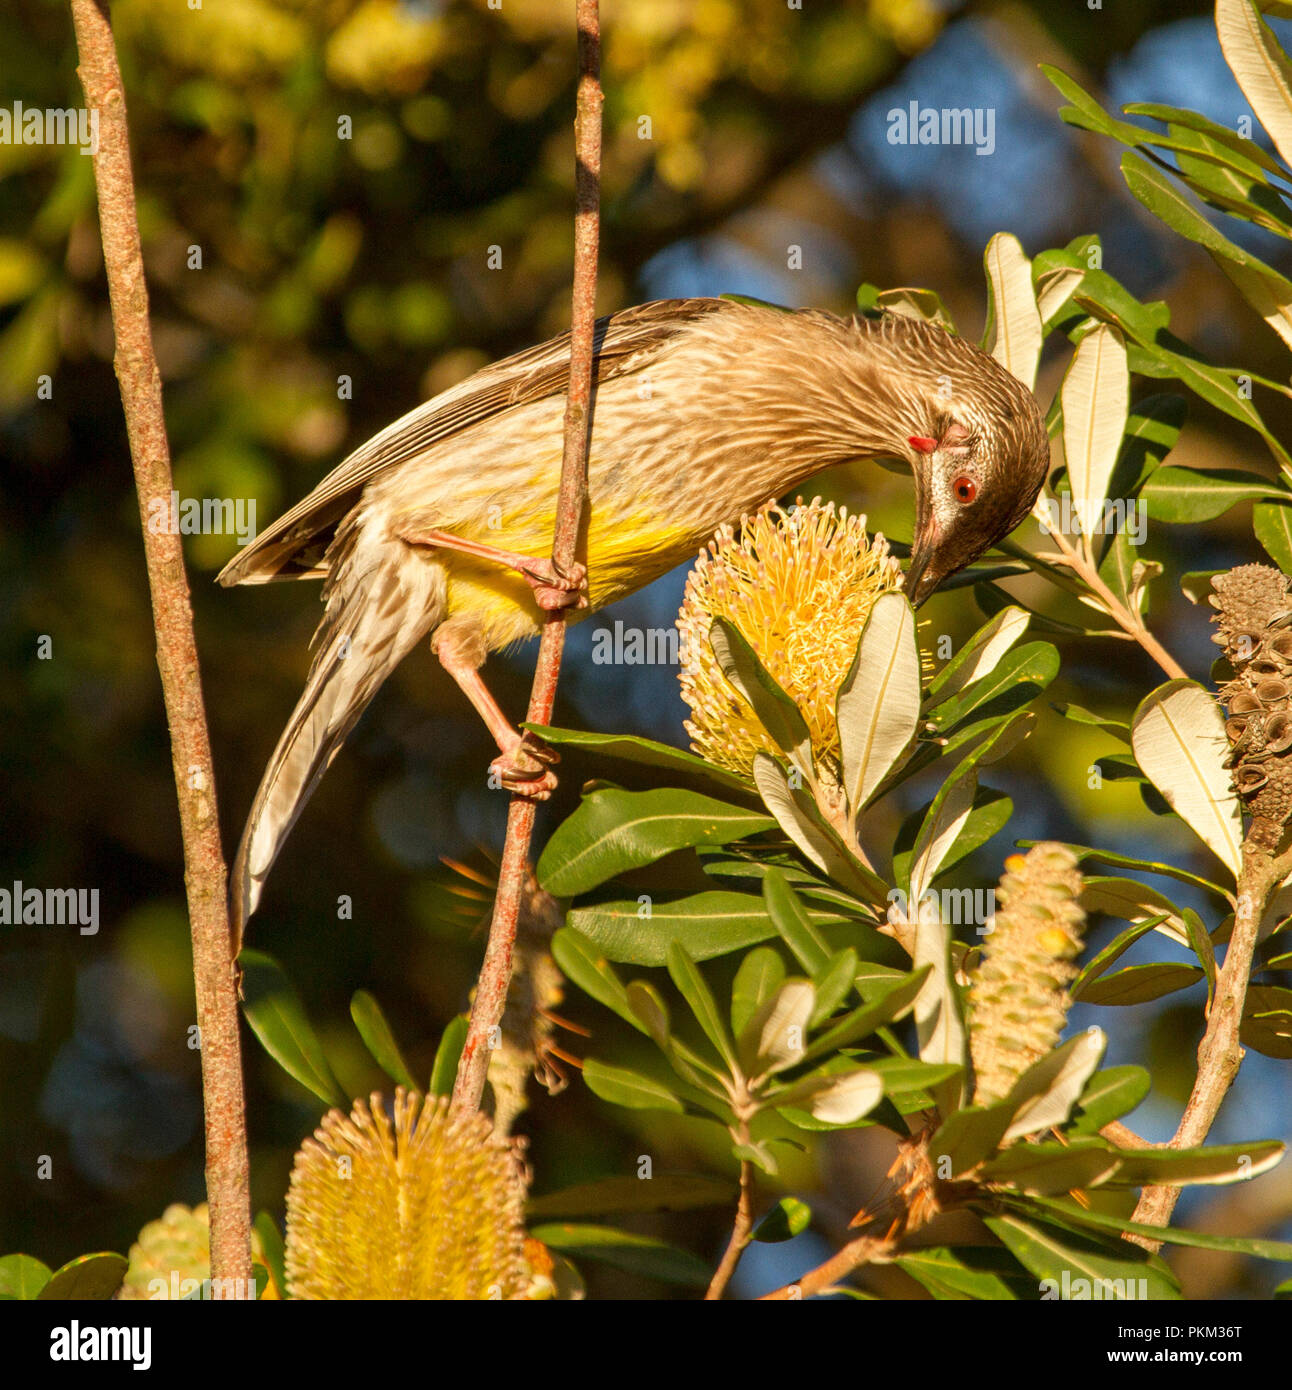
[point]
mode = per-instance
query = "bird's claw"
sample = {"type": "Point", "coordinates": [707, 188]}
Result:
{"type": "Point", "coordinates": [525, 769]}
{"type": "Point", "coordinates": [556, 588]}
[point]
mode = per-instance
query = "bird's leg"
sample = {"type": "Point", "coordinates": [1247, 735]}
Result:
{"type": "Point", "coordinates": [553, 588]}
{"type": "Point", "coordinates": [524, 764]}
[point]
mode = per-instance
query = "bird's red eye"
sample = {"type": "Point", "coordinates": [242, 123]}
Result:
{"type": "Point", "coordinates": [965, 489]}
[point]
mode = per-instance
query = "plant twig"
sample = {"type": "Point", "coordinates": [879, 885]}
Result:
{"type": "Point", "coordinates": [741, 1234]}
{"type": "Point", "coordinates": [1220, 1053]}
{"type": "Point", "coordinates": [495, 972]}
{"type": "Point", "coordinates": [1130, 623]}
{"type": "Point", "coordinates": [227, 1184]}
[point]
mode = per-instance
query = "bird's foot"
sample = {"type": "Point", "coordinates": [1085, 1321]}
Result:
{"type": "Point", "coordinates": [556, 588]}
{"type": "Point", "coordinates": [525, 769]}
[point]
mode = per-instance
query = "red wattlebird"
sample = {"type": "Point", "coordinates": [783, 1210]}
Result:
{"type": "Point", "coordinates": [704, 409]}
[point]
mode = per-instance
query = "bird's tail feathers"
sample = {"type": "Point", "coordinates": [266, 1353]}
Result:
{"type": "Point", "coordinates": [379, 606]}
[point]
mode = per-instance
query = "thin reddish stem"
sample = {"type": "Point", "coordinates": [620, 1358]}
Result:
{"type": "Point", "coordinates": [495, 972]}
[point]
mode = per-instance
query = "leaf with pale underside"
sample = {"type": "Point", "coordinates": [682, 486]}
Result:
{"type": "Point", "coordinates": [1178, 737]}
{"type": "Point", "coordinates": [1260, 66]}
{"type": "Point", "coordinates": [981, 654]}
{"type": "Point", "coordinates": [878, 708]}
{"type": "Point", "coordinates": [1096, 398]}
{"type": "Point", "coordinates": [1014, 330]}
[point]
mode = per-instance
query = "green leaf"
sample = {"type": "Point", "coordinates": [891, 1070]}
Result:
{"type": "Point", "coordinates": [1261, 67]}
{"type": "Point", "coordinates": [939, 1022]}
{"type": "Point", "coordinates": [1109, 1095]}
{"type": "Point", "coordinates": [889, 1003]}
{"type": "Point", "coordinates": [379, 1038]}
{"type": "Point", "coordinates": [1152, 429]}
{"type": "Point", "coordinates": [904, 1076]}
{"type": "Point", "coordinates": [836, 1096]}
{"type": "Point", "coordinates": [278, 1019]}
{"type": "Point", "coordinates": [787, 1219]}
{"type": "Point", "coordinates": [444, 1069]}
{"type": "Point", "coordinates": [878, 706]}
{"type": "Point", "coordinates": [1267, 1021]}
{"type": "Point", "coordinates": [1051, 1253]}
{"type": "Point", "coordinates": [1213, 1166]}
{"type": "Point", "coordinates": [833, 984]}
{"type": "Point", "coordinates": [1245, 149]}
{"type": "Point", "coordinates": [980, 655]}
{"type": "Point", "coordinates": [691, 985]}
{"type": "Point", "coordinates": [635, 1254]}
{"type": "Point", "coordinates": [1077, 715]}
{"type": "Point", "coordinates": [776, 1036]}
{"type": "Point", "coordinates": [794, 923]}
{"type": "Point", "coordinates": [630, 1089]}
{"type": "Point", "coordinates": [1133, 901]}
{"type": "Point", "coordinates": [1044, 1095]}
{"type": "Point", "coordinates": [1016, 679]}
{"type": "Point", "coordinates": [583, 961]}
{"type": "Point", "coordinates": [968, 1272]}
{"type": "Point", "coordinates": [1087, 113]}
{"type": "Point", "coordinates": [1111, 953]}
{"type": "Point", "coordinates": [969, 1135]}
{"type": "Point", "coordinates": [759, 977]}
{"type": "Point", "coordinates": [607, 1196]}
{"type": "Point", "coordinates": [87, 1279]}
{"type": "Point", "coordinates": [775, 710]}
{"type": "Point", "coordinates": [1049, 1168]}
{"type": "Point", "coordinates": [1096, 398]}
{"type": "Point", "coordinates": [271, 1245]}
{"type": "Point", "coordinates": [1070, 1214]}
{"type": "Point", "coordinates": [1148, 866]}
{"type": "Point", "coordinates": [1177, 495]}
{"type": "Point", "coordinates": [1138, 984]}
{"type": "Point", "coordinates": [22, 1277]}
{"type": "Point", "coordinates": [798, 816]}
{"type": "Point", "coordinates": [644, 751]}
{"type": "Point", "coordinates": [613, 831]}
{"type": "Point", "coordinates": [1014, 334]}
{"type": "Point", "coordinates": [1178, 735]}
{"type": "Point", "coordinates": [1272, 522]}
{"type": "Point", "coordinates": [1269, 292]}
{"type": "Point", "coordinates": [708, 924]}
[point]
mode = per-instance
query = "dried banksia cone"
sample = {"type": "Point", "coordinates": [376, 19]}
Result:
{"type": "Point", "coordinates": [798, 586]}
{"type": "Point", "coordinates": [1252, 618]}
{"type": "Point", "coordinates": [1247, 600]}
{"type": "Point", "coordinates": [1018, 998]}
{"type": "Point", "coordinates": [172, 1257]}
{"type": "Point", "coordinates": [428, 1206]}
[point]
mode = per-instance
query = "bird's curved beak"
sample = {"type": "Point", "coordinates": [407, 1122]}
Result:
{"type": "Point", "coordinates": [920, 579]}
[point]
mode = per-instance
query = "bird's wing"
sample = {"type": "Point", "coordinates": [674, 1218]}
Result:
{"type": "Point", "coordinates": [293, 546]}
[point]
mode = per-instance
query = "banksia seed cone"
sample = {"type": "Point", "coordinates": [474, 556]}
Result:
{"type": "Point", "coordinates": [172, 1257]}
{"type": "Point", "coordinates": [427, 1207]}
{"type": "Point", "coordinates": [798, 586]}
{"type": "Point", "coordinates": [1253, 617]}
{"type": "Point", "coordinates": [1018, 999]}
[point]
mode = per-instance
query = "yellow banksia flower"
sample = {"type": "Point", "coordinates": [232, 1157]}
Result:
{"type": "Point", "coordinates": [172, 1257]}
{"type": "Point", "coordinates": [798, 586]}
{"type": "Point", "coordinates": [1018, 998]}
{"type": "Point", "coordinates": [427, 1206]}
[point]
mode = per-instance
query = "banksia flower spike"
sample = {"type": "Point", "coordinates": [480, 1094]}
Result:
{"type": "Point", "coordinates": [1018, 998]}
{"type": "Point", "coordinates": [1254, 628]}
{"type": "Point", "coordinates": [798, 586]}
{"type": "Point", "coordinates": [172, 1257]}
{"type": "Point", "coordinates": [429, 1206]}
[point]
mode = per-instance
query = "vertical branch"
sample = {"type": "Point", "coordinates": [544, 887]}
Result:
{"type": "Point", "coordinates": [495, 972]}
{"type": "Point", "coordinates": [227, 1181]}
{"type": "Point", "coordinates": [1219, 1053]}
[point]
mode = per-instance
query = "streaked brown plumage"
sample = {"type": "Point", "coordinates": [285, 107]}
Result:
{"type": "Point", "coordinates": [703, 410]}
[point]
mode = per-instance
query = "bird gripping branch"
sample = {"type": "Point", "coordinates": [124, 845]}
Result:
{"type": "Point", "coordinates": [703, 410]}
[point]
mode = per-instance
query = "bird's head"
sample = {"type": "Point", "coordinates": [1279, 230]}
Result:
{"type": "Point", "coordinates": [977, 470]}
